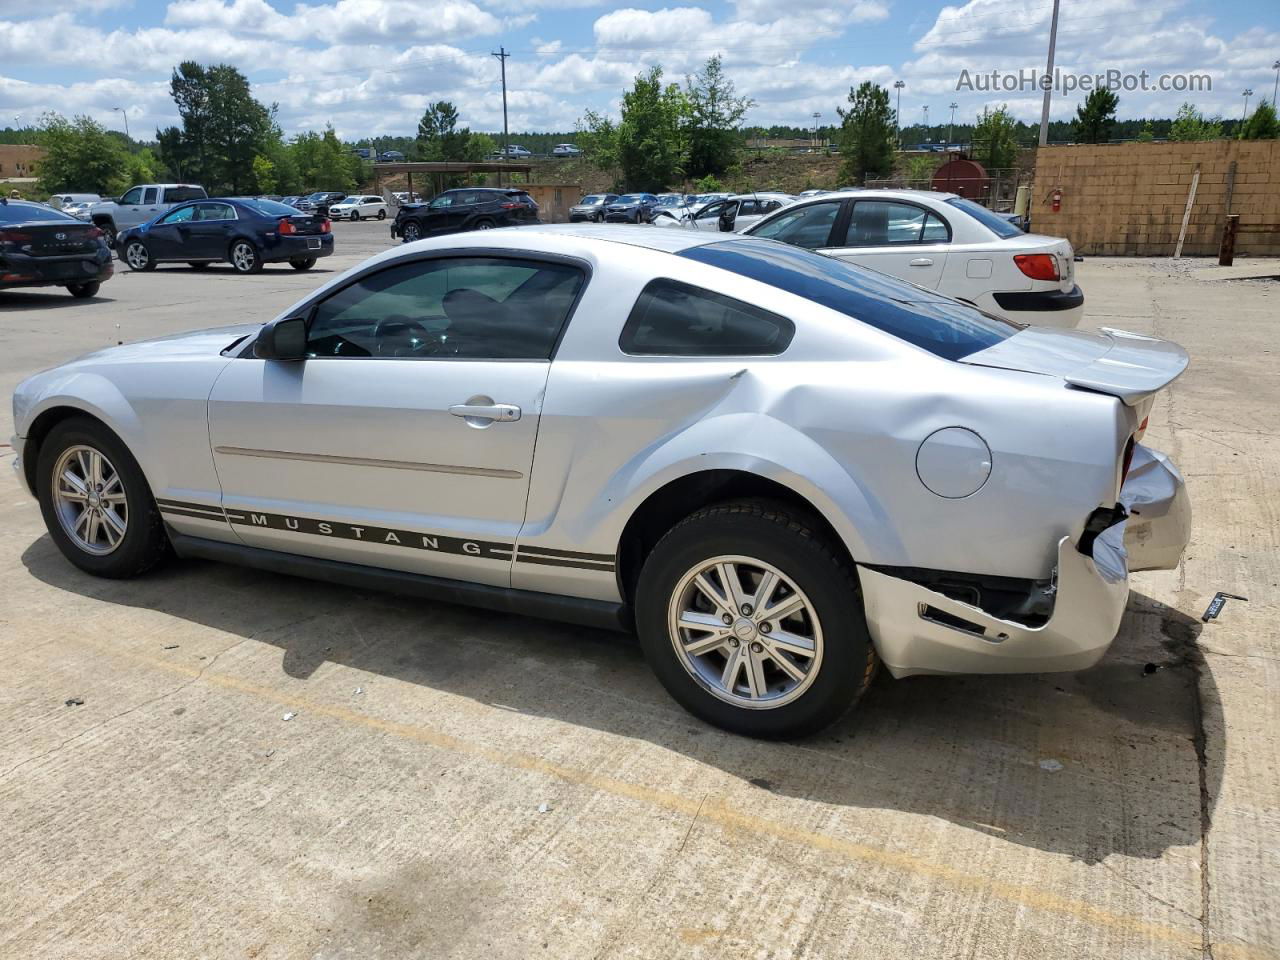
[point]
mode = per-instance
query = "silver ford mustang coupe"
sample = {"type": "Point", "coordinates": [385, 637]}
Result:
{"type": "Point", "coordinates": [777, 467]}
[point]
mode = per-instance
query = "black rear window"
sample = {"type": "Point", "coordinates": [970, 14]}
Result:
{"type": "Point", "coordinates": [183, 194]}
{"type": "Point", "coordinates": [992, 221]}
{"type": "Point", "coordinates": [270, 207]}
{"type": "Point", "coordinates": [944, 327]}
{"type": "Point", "coordinates": [22, 212]}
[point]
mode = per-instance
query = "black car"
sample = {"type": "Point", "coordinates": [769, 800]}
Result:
{"type": "Point", "coordinates": [468, 208]}
{"type": "Point", "coordinates": [320, 202]}
{"type": "Point", "coordinates": [632, 208]}
{"type": "Point", "coordinates": [591, 207]}
{"type": "Point", "coordinates": [245, 231]}
{"type": "Point", "coordinates": [43, 247]}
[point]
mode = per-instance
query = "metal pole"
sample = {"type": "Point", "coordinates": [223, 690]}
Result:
{"type": "Point", "coordinates": [952, 124]}
{"type": "Point", "coordinates": [1275, 91]}
{"type": "Point", "coordinates": [1048, 78]}
{"type": "Point", "coordinates": [125, 116]}
{"type": "Point", "coordinates": [1247, 94]}
{"type": "Point", "coordinates": [897, 116]}
{"type": "Point", "coordinates": [506, 135]}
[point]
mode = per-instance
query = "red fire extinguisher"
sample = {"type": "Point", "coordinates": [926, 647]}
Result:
{"type": "Point", "coordinates": [1056, 197]}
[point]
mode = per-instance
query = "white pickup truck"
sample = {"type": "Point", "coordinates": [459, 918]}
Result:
{"type": "Point", "coordinates": [140, 204]}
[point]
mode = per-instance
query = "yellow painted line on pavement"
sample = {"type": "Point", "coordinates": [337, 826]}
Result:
{"type": "Point", "coordinates": [718, 813]}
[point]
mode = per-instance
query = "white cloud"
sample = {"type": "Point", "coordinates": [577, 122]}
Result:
{"type": "Point", "coordinates": [351, 21]}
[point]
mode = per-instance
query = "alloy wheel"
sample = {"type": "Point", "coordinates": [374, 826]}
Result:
{"type": "Point", "coordinates": [745, 632]}
{"type": "Point", "coordinates": [89, 499]}
{"type": "Point", "coordinates": [137, 255]}
{"type": "Point", "coordinates": [243, 257]}
{"type": "Point", "coordinates": [410, 232]}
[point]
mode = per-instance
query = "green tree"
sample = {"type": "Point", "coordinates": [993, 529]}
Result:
{"type": "Point", "coordinates": [264, 174]}
{"type": "Point", "coordinates": [1191, 124]}
{"type": "Point", "coordinates": [714, 114]}
{"type": "Point", "coordinates": [597, 135]}
{"type": "Point", "coordinates": [223, 126]}
{"type": "Point", "coordinates": [651, 142]}
{"type": "Point", "coordinates": [80, 155]}
{"type": "Point", "coordinates": [995, 141]}
{"type": "Point", "coordinates": [439, 136]}
{"type": "Point", "coordinates": [1096, 116]}
{"type": "Point", "coordinates": [1262, 123]}
{"type": "Point", "coordinates": [866, 134]}
{"type": "Point", "coordinates": [1147, 134]}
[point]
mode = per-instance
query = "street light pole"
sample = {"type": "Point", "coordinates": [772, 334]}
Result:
{"type": "Point", "coordinates": [897, 116]}
{"type": "Point", "coordinates": [506, 135]}
{"type": "Point", "coordinates": [1048, 77]}
{"type": "Point", "coordinates": [1275, 91]}
{"type": "Point", "coordinates": [816, 117]}
{"type": "Point", "coordinates": [926, 122]}
{"type": "Point", "coordinates": [123, 114]}
{"type": "Point", "coordinates": [952, 124]}
{"type": "Point", "coordinates": [1247, 94]}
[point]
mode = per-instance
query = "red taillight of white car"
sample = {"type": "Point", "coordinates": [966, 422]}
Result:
{"type": "Point", "coordinates": [1038, 266]}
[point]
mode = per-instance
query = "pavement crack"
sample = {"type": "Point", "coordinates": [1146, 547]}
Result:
{"type": "Point", "coordinates": [696, 814]}
{"type": "Point", "coordinates": [1147, 893]}
{"type": "Point", "coordinates": [123, 713]}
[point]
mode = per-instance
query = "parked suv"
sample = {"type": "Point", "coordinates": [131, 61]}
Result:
{"type": "Point", "coordinates": [140, 204]}
{"type": "Point", "coordinates": [632, 208]}
{"type": "Point", "coordinates": [591, 207]}
{"type": "Point", "coordinates": [468, 208]}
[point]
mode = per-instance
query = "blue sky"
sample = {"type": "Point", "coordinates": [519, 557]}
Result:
{"type": "Point", "coordinates": [370, 66]}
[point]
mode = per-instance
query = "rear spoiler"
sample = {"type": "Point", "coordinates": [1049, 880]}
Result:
{"type": "Point", "coordinates": [1134, 369]}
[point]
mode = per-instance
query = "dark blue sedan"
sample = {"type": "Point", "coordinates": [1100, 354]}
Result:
{"type": "Point", "coordinates": [243, 231]}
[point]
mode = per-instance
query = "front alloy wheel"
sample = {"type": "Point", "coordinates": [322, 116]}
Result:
{"type": "Point", "coordinates": [355, 215]}
{"type": "Point", "coordinates": [138, 256]}
{"type": "Point", "coordinates": [89, 499]}
{"type": "Point", "coordinates": [411, 232]}
{"type": "Point", "coordinates": [244, 257]}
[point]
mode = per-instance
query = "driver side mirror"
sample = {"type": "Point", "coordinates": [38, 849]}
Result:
{"type": "Point", "coordinates": [283, 339]}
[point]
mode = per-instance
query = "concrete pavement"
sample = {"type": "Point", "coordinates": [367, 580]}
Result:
{"type": "Point", "coordinates": [455, 783]}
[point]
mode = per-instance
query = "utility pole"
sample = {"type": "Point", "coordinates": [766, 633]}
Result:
{"type": "Point", "coordinates": [1275, 91]}
{"type": "Point", "coordinates": [122, 113]}
{"type": "Point", "coordinates": [897, 116]}
{"type": "Point", "coordinates": [952, 124]}
{"type": "Point", "coordinates": [506, 135]}
{"type": "Point", "coordinates": [1048, 77]}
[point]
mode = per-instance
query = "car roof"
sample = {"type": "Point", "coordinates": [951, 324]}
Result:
{"type": "Point", "coordinates": [896, 192]}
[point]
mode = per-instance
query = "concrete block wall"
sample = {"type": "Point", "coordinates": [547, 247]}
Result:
{"type": "Point", "coordinates": [1127, 199]}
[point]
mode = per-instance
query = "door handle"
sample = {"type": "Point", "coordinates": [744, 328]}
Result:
{"type": "Point", "coordinates": [922, 262]}
{"type": "Point", "coordinates": [502, 412]}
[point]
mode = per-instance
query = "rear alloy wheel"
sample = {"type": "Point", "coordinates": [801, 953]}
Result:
{"type": "Point", "coordinates": [303, 263]}
{"type": "Point", "coordinates": [753, 622]}
{"type": "Point", "coordinates": [484, 225]}
{"type": "Point", "coordinates": [138, 256]}
{"type": "Point", "coordinates": [244, 257]}
{"type": "Point", "coordinates": [95, 501]}
{"type": "Point", "coordinates": [82, 291]}
{"type": "Point", "coordinates": [411, 232]}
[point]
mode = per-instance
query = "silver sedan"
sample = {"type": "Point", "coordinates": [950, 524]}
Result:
{"type": "Point", "coordinates": [780, 469]}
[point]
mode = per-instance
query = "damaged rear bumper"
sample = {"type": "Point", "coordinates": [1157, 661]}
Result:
{"type": "Point", "coordinates": [918, 630]}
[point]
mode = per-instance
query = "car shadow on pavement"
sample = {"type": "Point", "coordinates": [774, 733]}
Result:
{"type": "Point", "coordinates": [1110, 761]}
{"type": "Point", "coordinates": [44, 298]}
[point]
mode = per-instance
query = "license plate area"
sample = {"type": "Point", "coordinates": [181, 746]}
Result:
{"type": "Point", "coordinates": [313, 243]}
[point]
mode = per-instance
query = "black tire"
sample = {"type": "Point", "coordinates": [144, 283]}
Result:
{"type": "Point", "coordinates": [411, 231]}
{"type": "Point", "coordinates": [244, 256]}
{"type": "Point", "coordinates": [109, 232]}
{"type": "Point", "coordinates": [83, 291]}
{"type": "Point", "coordinates": [199, 265]}
{"type": "Point", "coordinates": [138, 256]}
{"type": "Point", "coordinates": [144, 543]}
{"type": "Point", "coordinates": [303, 263]}
{"type": "Point", "coordinates": [355, 216]}
{"type": "Point", "coordinates": [484, 223]}
{"type": "Point", "coordinates": [382, 214]}
{"type": "Point", "coordinates": [787, 541]}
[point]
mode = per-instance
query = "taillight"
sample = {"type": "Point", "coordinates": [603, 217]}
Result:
{"type": "Point", "coordinates": [511, 206]}
{"type": "Point", "coordinates": [286, 227]}
{"type": "Point", "coordinates": [1038, 266]}
{"type": "Point", "coordinates": [14, 238]}
{"type": "Point", "coordinates": [325, 226]}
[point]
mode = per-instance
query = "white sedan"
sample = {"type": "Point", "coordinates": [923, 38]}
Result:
{"type": "Point", "coordinates": [940, 241]}
{"type": "Point", "coordinates": [359, 206]}
{"type": "Point", "coordinates": [778, 468]}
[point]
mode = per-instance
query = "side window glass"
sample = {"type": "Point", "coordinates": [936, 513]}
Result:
{"type": "Point", "coordinates": [935, 230]}
{"type": "Point", "coordinates": [879, 223]}
{"type": "Point", "coordinates": [151, 195]}
{"type": "Point", "coordinates": [673, 319]}
{"type": "Point", "coordinates": [444, 200]}
{"type": "Point", "coordinates": [133, 196]}
{"type": "Point", "coordinates": [180, 216]}
{"type": "Point", "coordinates": [808, 226]}
{"type": "Point", "coordinates": [711, 211]}
{"type": "Point", "coordinates": [473, 308]}
{"type": "Point", "coordinates": [749, 208]}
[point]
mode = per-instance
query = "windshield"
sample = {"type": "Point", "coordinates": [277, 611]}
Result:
{"type": "Point", "coordinates": [944, 327]}
{"type": "Point", "coordinates": [591, 201]}
{"type": "Point", "coordinates": [670, 201]}
{"type": "Point", "coordinates": [24, 212]}
{"type": "Point", "coordinates": [270, 207]}
{"type": "Point", "coordinates": [183, 194]}
{"type": "Point", "coordinates": [630, 198]}
{"type": "Point", "coordinates": [992, 221]}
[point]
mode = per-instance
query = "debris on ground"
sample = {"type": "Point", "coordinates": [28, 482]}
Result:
{"type": "Point", "coordinates": [1053, 766]}
{"type": "Point", "coordinates": [172, 646]}
{"type": "Point", "coordinates": [544, 808]}
{"type": "Point", "coordinates": [1217, 603]}
{"type": "Point", "coordinates": [289, 716]}
{"type": "Point", "coordinates": [357, 691]}
{"type": "Point", "coordinates": [1149, 668]}
{"type": "Point", "coordinates": [75, 702]}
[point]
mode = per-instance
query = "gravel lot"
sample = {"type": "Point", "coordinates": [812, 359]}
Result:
{"type": "Point", "coordinates": [462, 784]}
